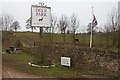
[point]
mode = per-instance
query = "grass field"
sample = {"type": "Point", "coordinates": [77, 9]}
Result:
{"type": "Point", "coordinates": [58, 38]}
{"type": "Point", "coordinates": [99, 41]}
{"type": "Point", "coordinates": [20, 61]}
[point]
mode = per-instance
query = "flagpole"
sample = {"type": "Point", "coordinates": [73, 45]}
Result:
{"type": "Point", "coordinates": [91, 31]}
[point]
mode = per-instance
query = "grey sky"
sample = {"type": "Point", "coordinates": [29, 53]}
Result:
{"type": "Point", "coordinates": [20, 9]}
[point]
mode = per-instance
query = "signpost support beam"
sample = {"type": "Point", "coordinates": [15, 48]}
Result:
{"type": "Point", "coordinates": [41, 32]}
{"type": "Point", "coordinates": [41, 17]}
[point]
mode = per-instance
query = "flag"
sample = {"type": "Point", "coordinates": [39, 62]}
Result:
{"type": "Point", "coordinates": [94, 20]}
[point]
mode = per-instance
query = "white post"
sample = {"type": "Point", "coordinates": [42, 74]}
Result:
{"type": "Point", "coordinates": [91, 37]}
{"type": "Point", "coordinates": [91, 31]}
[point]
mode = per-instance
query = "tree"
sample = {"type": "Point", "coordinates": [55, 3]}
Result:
{"type": "Point", "coordinates": [118, 37]}
{"type": "Point", "coordinates": [53, 26]}
{"type": "Point", "coordinates": [107, 30]}
{"type": "Point", "coordinates": [94, 30]}
{"type": "Point", "coordinates": [62, 25]}
{"type": "Point", "coordinates": [74, 24]}
{"type": "Point", "coordinates": [28, 25]}
{"type": "Point", "coordinates": [119, 24]}
{"type": "Point", "coordinates": [112, 20]}
{"type": "Point", "coordinates": [1, 23]}
{"type": "Point", "coordinates": [5, 21]}
{"type": "Point", "coordinates": [15, 25]}
{"type": "Point", "coordinates": [53, 23]}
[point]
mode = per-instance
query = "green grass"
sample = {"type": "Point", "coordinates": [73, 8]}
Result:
{"type": "Point", "coordinates": [98, 41]}
{"type": "Point", "coordinates": [20, 61]}
{"type": "Point", "coordinates": [28, 36]}
{"type": "Point", "coordinates": [57, 38]}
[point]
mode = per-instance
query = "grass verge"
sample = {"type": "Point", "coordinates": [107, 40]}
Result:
{"type": "Point", "coordinates": [20, 61]}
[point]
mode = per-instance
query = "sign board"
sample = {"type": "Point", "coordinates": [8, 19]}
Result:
{"type": "Point", "coordinates": [41, 16]}
{"type": "Point", "coordinates": [65, 61]}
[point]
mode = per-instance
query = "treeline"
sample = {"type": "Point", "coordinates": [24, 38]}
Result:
{"type": "Point", "coordinates": [112, 29]}
{"type": "Point", "coordinates": [69, 25]}
{"type": "Point", "coordinates": [8, 23]}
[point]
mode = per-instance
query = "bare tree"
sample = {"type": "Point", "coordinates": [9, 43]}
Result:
{"type": "Point", "coordinates": [5, 21]}
{"type": "Point", "coordinates": [53, 23]}
{"type": "Point", "coordinates": [94, 29]}
{"type": "Point", "coordinates": [118, 37]}
{"type": "Point", "coordinates": [74, 24]}
{"type": "Point", "coordinates": [1, 23]}
{"type": "Point", "coordinates": [28, 25]}
{"type": "Point", "coordinates": [118, 24]}
{"type": "Point", "coordinates": [113, 21]}
{"type": "Point", "coordinates": [107, 31]}
{"type": "Point", "coordinates": [53, 26]}
{"type": "Point", "coordinates": [15, 25]}
{"type": "Point", "coordinates": [62, 25]}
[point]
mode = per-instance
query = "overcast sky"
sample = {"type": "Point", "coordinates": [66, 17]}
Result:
{"type": "Point", "coordinates": [20, 9]}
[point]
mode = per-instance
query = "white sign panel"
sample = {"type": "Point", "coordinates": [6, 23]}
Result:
{"type": "Point", "coordinates": [41, 16]}
{"type": "Point", "coordinates": [65, 61]}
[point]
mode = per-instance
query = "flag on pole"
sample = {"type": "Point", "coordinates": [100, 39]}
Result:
{"type": "Point", "coordinates": [94, 20]}
{"type": "Point", "coordinates": [93, 24]}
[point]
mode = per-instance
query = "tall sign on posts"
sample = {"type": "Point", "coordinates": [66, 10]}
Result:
{"type": "Point", "coordinates": [40, 16]}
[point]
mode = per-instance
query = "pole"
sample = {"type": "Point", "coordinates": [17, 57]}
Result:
{"type": "Point", "coordinates": [91, 37]}
{"type": "Point", "coordinates": [91, 31]}
{"type": "Point", "coordinates": [41, 32]}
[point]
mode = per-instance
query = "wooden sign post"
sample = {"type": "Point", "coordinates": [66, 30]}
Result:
{"type": "Point", "coordinates": [41, 17]}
